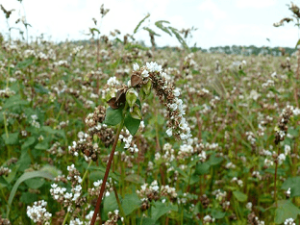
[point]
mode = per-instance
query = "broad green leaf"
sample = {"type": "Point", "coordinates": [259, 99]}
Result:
{"type": "Point", "coordinates": [159, 209]}
{"type": "Point", "coordinates": [213, 160]}
{"type": "Point", "coordinates": [14, 101]}
{"type": "Point", "coordinates": [113, 116]}
{"type": "Point", "coordinates": [130, 202]}
{"type": "Point", "coordinates": [294, 184]}
{"type": "Point", "coordinates": [42, 146]}
{"type": "Point", "coordinates": [25, 176]}
{"type": "Point", "coordinates": [28, 197]}
{"type": "Point", "coordinates": [286, 209]}
{"type": "Point", "coordinates": [35, 183]}
{"type": "Point", "coordinates": [217, 214]}
{"type": "Point", "coordinates": [29, 141]}
{"type": "Point", "coordinates": [12, 138]}
{"type": "Point", "coordinates": [134, 178]}
{"type": "Point", "coordinates": [131, 124]}
{"type": "Point", "coordinates": [202, 168]}
{"type": "Point", "coordinates": [110, 203]}
{"type": "Point", "coordinates": [241, 197]}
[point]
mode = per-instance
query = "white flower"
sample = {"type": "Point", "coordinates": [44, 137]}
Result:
{"type": "Point", "coordinates": [176, 92]}
{"type": "Point", "coordinates": [289, 221]}
{"type": "Point", "coordinates": [281, 158]}
{"type": "Point", "coordinates": [145, 74]}
{"type": "Point", "coordinates": [249, 206]}
{"type": "Point", "coordinates": [136, 66]}
{"type": "Point", "coordinates": [169, 132]}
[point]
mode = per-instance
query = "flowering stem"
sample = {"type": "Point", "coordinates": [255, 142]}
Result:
{"type": "Point", "coordinates": [99, 200]}
{"type": "Point", "coordinates": [65, 219]}
{"type": "Point", "coordinates": [86, 172]}
{"type": "Point", "coordinates": [276, 166]}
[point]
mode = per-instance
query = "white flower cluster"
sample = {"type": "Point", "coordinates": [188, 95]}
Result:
{"type": "Point", "coordinates": [28, 53]}
{"type": "Point", "coordinates": [132, 148]}
{"type": "Point", "coordinates": [63, 63]}
{"type": "Point", "coordinates": [208, 219]}
{"type": "Point", "coordinates": [239, 182]}
{"type": "Point", "coordinates": [112, 81]}
{"type": "Point", "coordinates": [7, 92]}
{"type": "Point", "coordinates": [249, 206]}
{"type": "Point", "coordinates": [4, 171]}
{"type": "Point", "coordinates": [289, 221]}
{"type": "Point", "coordinates": [34, 121]}
{"type": "Point", "coordinates": [168, 154]}
{"type": "Point", "coordinates": [77, 221]}
{"type": "Point", "coordinates": [220, 196]}
{"type": "Point", "coordinates": [250, 137]}
{"type": "Point", "coordinates": [38, 213]}
{"type": "Point", "coordinates": [72, 169]}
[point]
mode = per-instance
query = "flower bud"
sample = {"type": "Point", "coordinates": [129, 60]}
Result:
{"type": "Point", "coordinates": [131, 97]}
{"type": "Point", "coordinates": [147, 87]}
{"type": "Point", "coordinates": [136, 112]}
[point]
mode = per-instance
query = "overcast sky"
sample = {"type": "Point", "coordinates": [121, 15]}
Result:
{"type": "Point", "coordinates": [219, 22]}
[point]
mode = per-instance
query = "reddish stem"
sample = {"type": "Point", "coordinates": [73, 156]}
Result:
{"type": "Point", "coordinates": [99, 200]}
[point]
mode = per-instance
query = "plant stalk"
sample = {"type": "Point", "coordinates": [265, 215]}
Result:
{"type": "Point", "coordinates": [99, 200]}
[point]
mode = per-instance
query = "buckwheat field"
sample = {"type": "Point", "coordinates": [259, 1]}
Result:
{"type": "Point", "coordinates": [109, 131]}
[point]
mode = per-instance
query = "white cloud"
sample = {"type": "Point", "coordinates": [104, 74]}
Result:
{"type": "Point", "coordinates": [210, 6]}
{"type": "Point", "coordinates": [255, 3]}
{"type": "Point", "coordinates": [209, 24]}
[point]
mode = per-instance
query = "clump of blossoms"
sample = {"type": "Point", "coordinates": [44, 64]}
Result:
{"type": "Point", "coordinates": [68, 199]}
{"type": "Point", "coordinates": [153, 192]}
{"type": "Point", "coordinates": [281, 128]}
{"type": "Point", "coordinates": [38, 213]}
{"type": "Point", "coordinates": [151, 75]}
{"type": "Point", "coordinates": [4, 171]}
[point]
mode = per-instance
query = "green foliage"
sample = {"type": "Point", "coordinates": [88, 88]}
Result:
{"type": "Point", "coordinates": [286, 209]}
{"type": "Point", "coordinates": [159, 24]}
{"type": "Point", "coordinates": [113, 116]}
{"type": "Point", "coordinates": [140, 23]}
{"type": "Point", "coordinates": [131, 124]}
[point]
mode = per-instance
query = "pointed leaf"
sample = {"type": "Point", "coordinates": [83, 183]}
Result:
{"type": "Point", "coordinates": [113, 116]}
{"type": "Point", "coordinates": [132, 124]}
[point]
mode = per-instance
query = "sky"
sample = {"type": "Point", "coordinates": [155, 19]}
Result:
{"type": "Point", "coordinates": [218, 22]}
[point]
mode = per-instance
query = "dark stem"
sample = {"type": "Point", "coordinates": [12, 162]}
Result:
{"type": "Point", "coordinates": [276, 166]}
{"type": "Point", "coordinates": [99, 200]}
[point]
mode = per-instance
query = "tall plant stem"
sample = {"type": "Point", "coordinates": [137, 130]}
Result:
{"type": "Point", "coordinates": [275, 179]}
{"type": "Point", "coordinates": [99, 200]}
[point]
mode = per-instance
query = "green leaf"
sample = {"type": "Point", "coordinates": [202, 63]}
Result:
{"type": "Point", "coordinates": [217, 214]}
{"type": "Point", "coordinates": [298, 43]}
{"type": "Point", "coordinates": [202, 168]}
{"type": "Point", "coordinates": [213, 160]}
{"type": "Point", "coordinates": [130, 46]}
{"type": "Point", "coordinates": [130, 202]}
{"type": "Point", "coordinates": [113, 116]}
{"type": "Point", "coordinates": [151, 31]}
{"type": "Point", "coordinates": [28, 197]}
{"type": "Point", "coordinates": [159, 209]}
{"type": "Point", "coordinates": [12, 138]}
{"type": "Point", "coordinates": [35, 183]}
{"type": "Point", "coordinates": [241, 197]}
{"type": "Point", "coordinates": [179, 38]}
{"type": "Point", "coordinates": [140, 23]}
{"type": "Point", "coordinates": [25, 176]}
{"type": "Point", "coordinates": [11, 103]}
{"type": "Point", "coordinates": [110, 203]}
{"type": "Point", "coordinates": [160, 26]}
{"type": "Point", "coordinates": [29, 141]}
{"type": "Point", "coordinates": [42, 146]}
{"type": "Point", "coordinates": [286, 209]}
{"type": "Point", "coordinates": [294, 184]}
{"type": "Point", "coordinates": [134, 178]}
{"type": "Point", "coordinates": [131, 124]}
